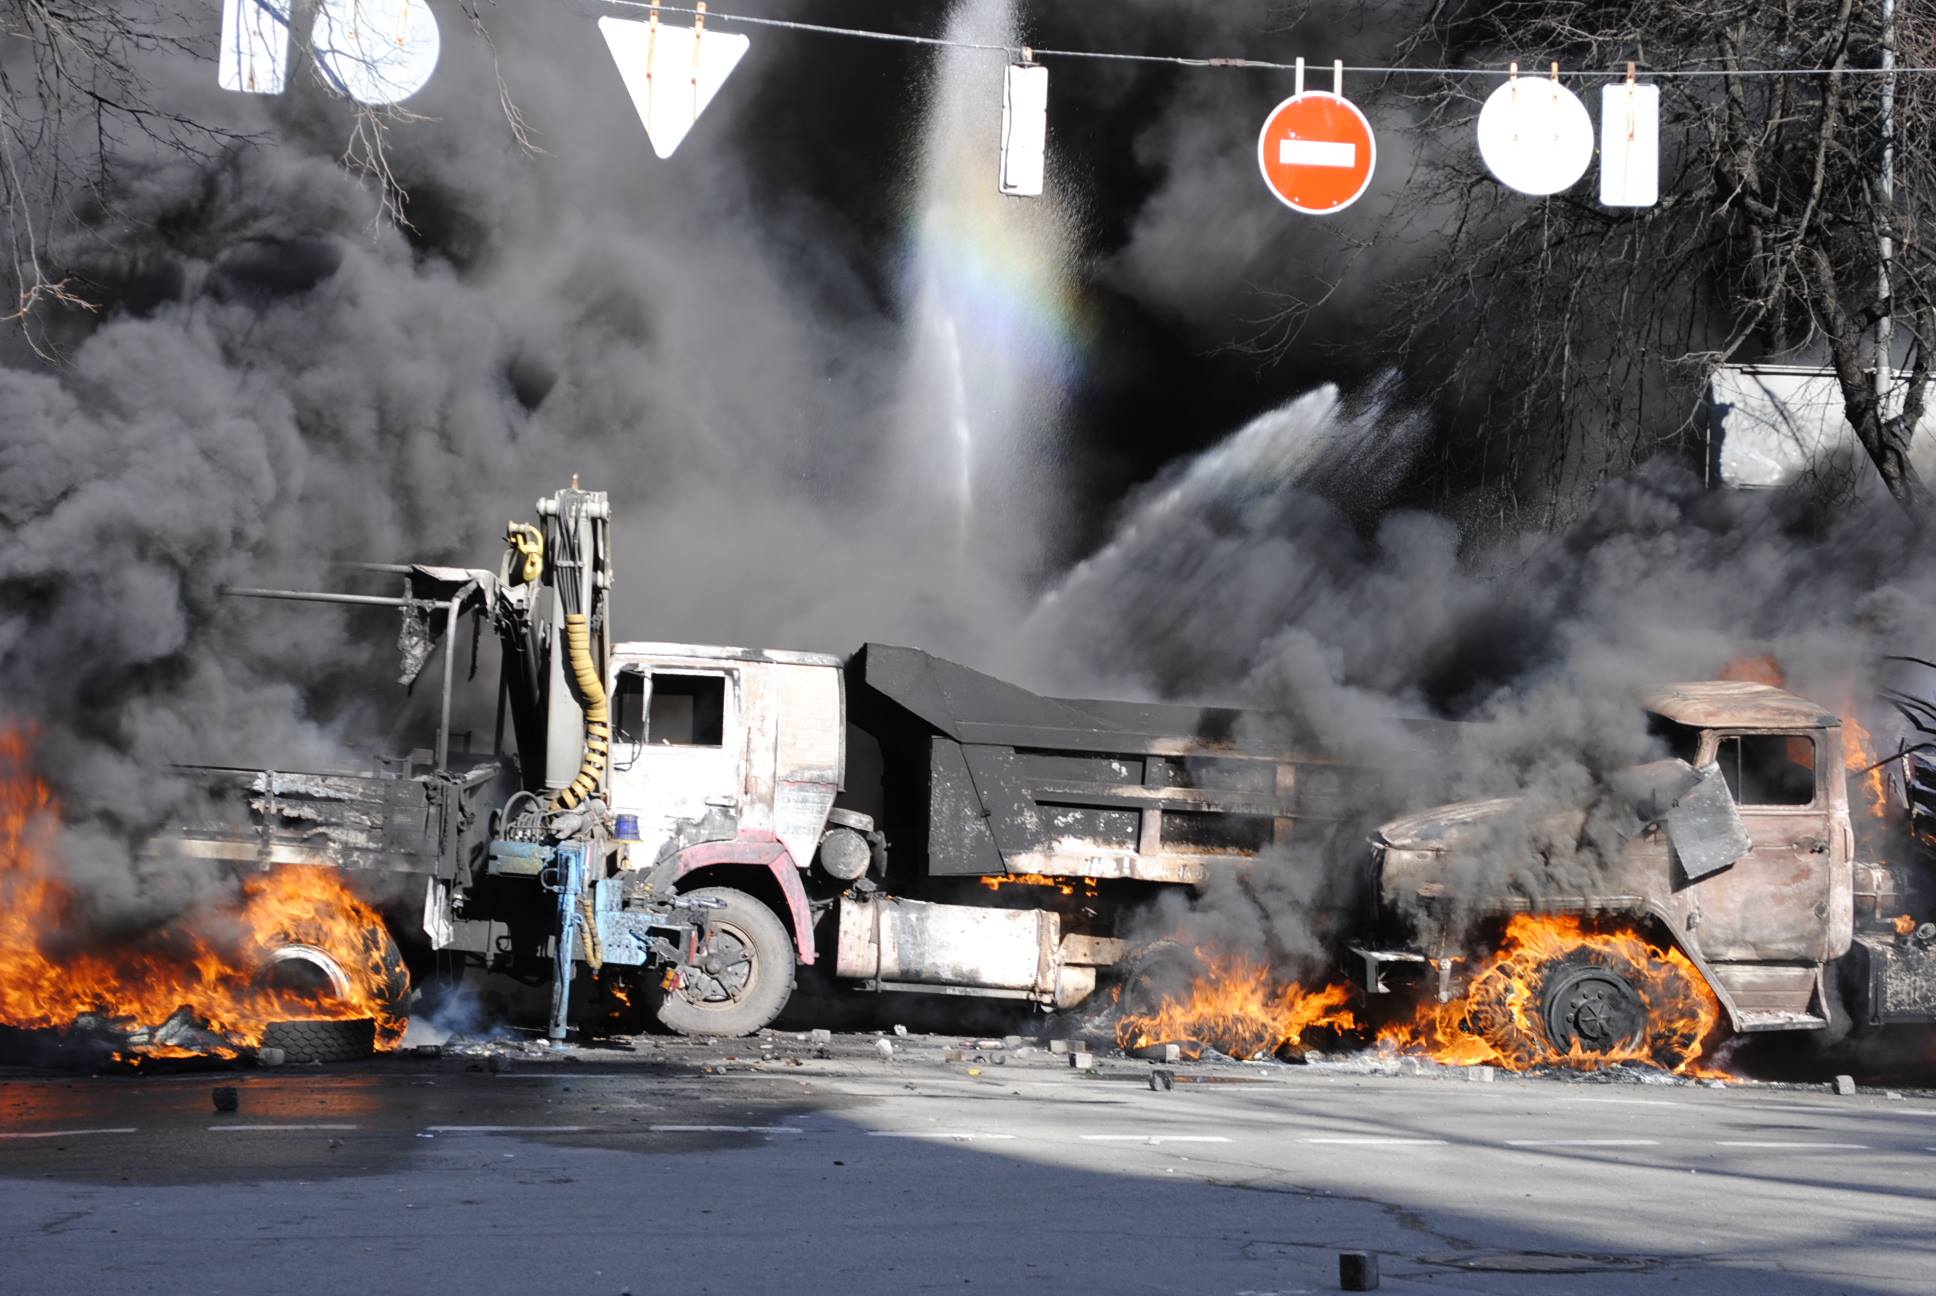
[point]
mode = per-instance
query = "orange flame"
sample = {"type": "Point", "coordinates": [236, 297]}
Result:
{"type": "Point", "coordinates": [1760, 668]}
{"type": "Point", "coordinates": [212, 965]}
{"type": "Point", "coordinates": [1858, 753]}
{"type": "Point", "coordinates": [1498, 1021]}
{"type": "Point", "coordinates": [1238, 1007]}
{"type": "Point", "coordinates": [1063, 885]}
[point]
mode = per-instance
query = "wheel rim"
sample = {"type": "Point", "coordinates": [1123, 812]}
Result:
{"type": "Point", "coordinates": [305, 969]}
{"type": "Point", "coordinates": [1593, 1009]}
{"type": "Point", "coordinates": [721, 978]}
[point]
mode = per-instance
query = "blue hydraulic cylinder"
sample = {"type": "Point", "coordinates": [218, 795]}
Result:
{"type": "Point", "coordinates": [566, 877]}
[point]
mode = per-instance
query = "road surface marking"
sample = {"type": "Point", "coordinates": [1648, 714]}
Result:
{"type": "Point", "coordinates": [265, 1129]}
{"type": "Point", "coordinates": [957, 1135]}
{"type": "Point", "coordinates": [1746, 1143]}
{"type": "Point", "coordinates": [73, 1133]}
{"type": "Point", "coordinates": [1381, 1142]}
{"type": "Point", "coordinates": [1803, 1107]}
{"type": "Point", "coordinates": [507, 1129]}
{"type": "Point", "coordinates": [1154, 1138]}
{"type": "Point", "coordinates": [725, 1129]}
{"type": "Point", "coordinates": [1624, 1102]}
{"type": "Point", "coordinates": [1540, 1143]}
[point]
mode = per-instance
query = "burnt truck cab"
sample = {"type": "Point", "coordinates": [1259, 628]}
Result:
{"type": "Point", "coordinates": [1740, 851]}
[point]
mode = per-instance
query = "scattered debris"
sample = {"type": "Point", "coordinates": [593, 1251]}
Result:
{"type": "Point", "coordinates": [270, 1057]}
{"type": "Point", "coordinates": [501, 1064]}
{"type": "Point", "coordinates": [1162, 1081]}
{"type": "Point", "coordinates": [227, 1098]}
{"type": "Point", "coordinates": [1082, 1061]}
{"type": "Point", "coordinates": [900, 1030]}
{"type": "Point", "coordinates": [885, 1049]}
{"type": "Point", "coordinates": [1483, 1074]}
{"type": "Point", "coordinates": [1845, 1085]}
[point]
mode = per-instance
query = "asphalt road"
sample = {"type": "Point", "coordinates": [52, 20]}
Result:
{"type": "Point", "coordinates": [732, 1168]}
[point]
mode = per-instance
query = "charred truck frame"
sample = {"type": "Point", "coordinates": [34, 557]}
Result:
{"type": "Point", "coordinates": [681, 807]}
{"type": "Point", "coordinates": [1740, 853]}
{"type": "Point", "coordinates": [693, 816]}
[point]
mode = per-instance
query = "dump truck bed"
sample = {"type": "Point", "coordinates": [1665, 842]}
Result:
{"type": "Point", "coordinates": [983, 777]}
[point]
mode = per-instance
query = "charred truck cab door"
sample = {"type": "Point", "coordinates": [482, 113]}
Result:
{"type": "Point", "coordinates": [1780, 901]}
{"type": "Point", "coordinates": [678, 754]}
{"type": "Point", "coordinates": [730, 757]}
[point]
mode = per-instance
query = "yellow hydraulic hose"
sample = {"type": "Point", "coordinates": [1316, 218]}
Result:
{"type": "Point", "coordinates": [598, 719]}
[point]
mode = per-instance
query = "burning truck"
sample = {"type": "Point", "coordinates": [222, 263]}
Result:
{"type": "Point", "coordinates": [709, 827]}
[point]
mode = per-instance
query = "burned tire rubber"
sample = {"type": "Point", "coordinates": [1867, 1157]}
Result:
{"type": "Point", "coordinates": [743, 982]}
{"type": "Point", "coordinates": [322, 1041]}
{"type": "Point", "coordinates": [1590, 1007]}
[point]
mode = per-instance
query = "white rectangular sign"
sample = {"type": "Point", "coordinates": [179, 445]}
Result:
{"type": "Point", "coordinates": [1324, 153]}
{"type": "Point", "coordinates": [1629, 145]}
{"type": "Point", "coordinates": [255, 46]}
{"type": "Point", "coordinates": [1025, 129]}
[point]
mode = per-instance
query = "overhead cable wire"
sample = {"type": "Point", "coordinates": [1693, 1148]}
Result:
{"type": "Point", "coordinates": [1311, 67]}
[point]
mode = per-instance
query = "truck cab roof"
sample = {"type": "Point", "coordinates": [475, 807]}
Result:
{"type": "Point", "coordinates": [719, 652]}
{"type": "Point", "coordinates": [1718, 704]}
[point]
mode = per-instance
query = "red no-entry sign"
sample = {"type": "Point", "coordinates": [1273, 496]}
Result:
{"type": "Point", "coordinates": [1316, 152]}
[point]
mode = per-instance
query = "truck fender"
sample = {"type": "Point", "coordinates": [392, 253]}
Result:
{"type": "Point", "coordinates": [760, 850]}
{"type": "Point", "coordinates": [1691, 950]}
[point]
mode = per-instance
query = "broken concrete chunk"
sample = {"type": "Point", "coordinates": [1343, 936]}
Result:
{"type": "Point", "coordinates": [270, 1057]}
{"type": "Point", "coordinates": [821, 1037]}
{"type": "Point", "coordinates": [1357, 1271]}
{"type": "Point", "coordinates": [1162, 1081]}
{"type": "Point", "coordinates": [1082, 1061]}
{"type": "Point", "coordinates": [900, 1030]}
{"type": "Point", "coordinates": [1483, 1074]}
{"type": "Point", "coordinates": [1059, 1046]}
{"type": "Point", "coordinates": [1845, 1085]}
{"type": "Point", "coordinates": [885, 1049]}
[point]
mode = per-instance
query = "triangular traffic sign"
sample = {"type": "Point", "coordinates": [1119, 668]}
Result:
{"type": "Point", "coordinates": [672, 73]}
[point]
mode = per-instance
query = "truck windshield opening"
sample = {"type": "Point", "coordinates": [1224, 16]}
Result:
{"type": "Point", "coordinates": [686, 711]}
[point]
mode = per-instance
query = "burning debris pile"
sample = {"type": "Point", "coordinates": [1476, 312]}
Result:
{"type": "Point", "coordinates": [1551, 980]}
{"type": "Point", "coordinates": [1239, 1008]}
{"type": "Point", "coordinates": [296, 946]}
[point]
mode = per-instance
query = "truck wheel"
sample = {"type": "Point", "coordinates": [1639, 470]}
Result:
{"type": "Point", "coordinates": [746, 978]}
{"type": "Point", "coordinates": [1587, 1007]}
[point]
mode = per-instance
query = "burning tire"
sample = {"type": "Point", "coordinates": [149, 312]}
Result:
{"type": "Point", "coordinates": [315, 968]}
{"type": "Point", "coordinates": [1592, 1005]}
{"type": "Point", "coordinates": [743, 980]}
{"type": "Point", "coordinates": [322, 1041]}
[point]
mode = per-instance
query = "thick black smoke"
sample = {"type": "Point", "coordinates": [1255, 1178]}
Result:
{"type": "Point", "coordinates": [278, 378]}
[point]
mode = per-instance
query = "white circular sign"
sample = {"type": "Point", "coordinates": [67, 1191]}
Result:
{"type": "Point", "coordinates": [1535, 135]}
{"type": "Point", "coordinates": [376, 51]}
